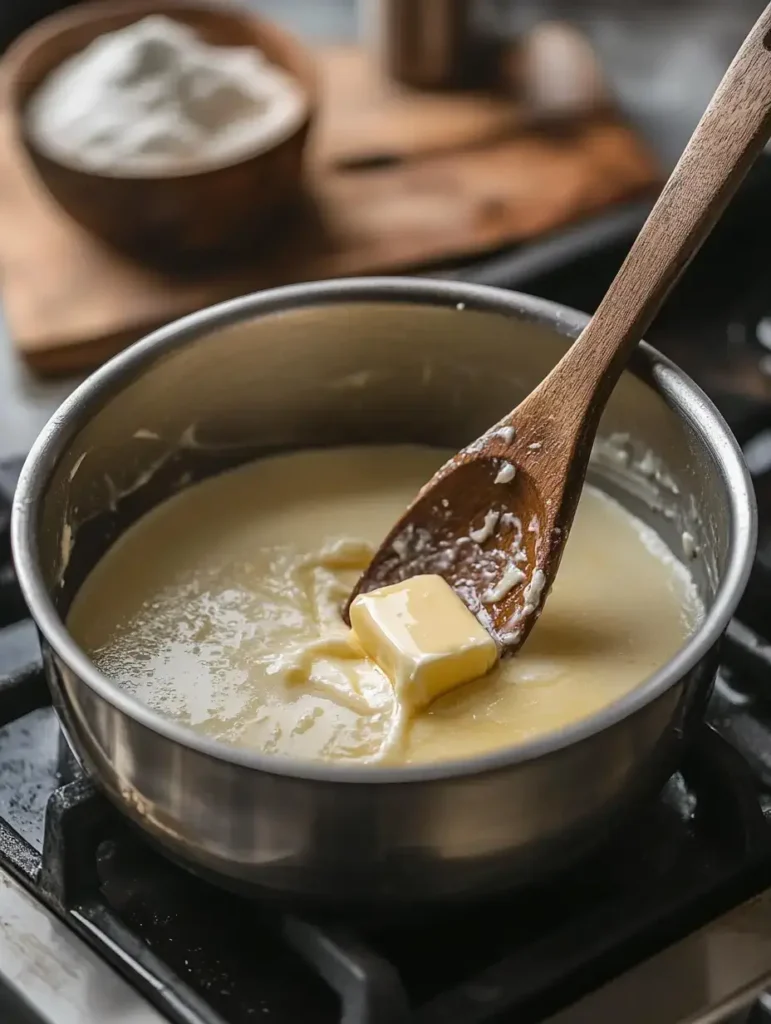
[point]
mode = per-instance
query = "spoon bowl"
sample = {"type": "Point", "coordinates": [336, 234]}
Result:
{"type": "Point", "coordinates": [479, 534]}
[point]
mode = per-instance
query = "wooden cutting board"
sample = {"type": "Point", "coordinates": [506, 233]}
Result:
{"type": "Point", "coordinates": [397, 180]}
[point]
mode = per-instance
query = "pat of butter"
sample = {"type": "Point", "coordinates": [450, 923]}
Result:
{"type": "Point", "coordinates": [423, 637]}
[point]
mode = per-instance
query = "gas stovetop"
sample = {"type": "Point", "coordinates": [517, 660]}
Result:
{"type": "Point", "coordinates": [669, 922]}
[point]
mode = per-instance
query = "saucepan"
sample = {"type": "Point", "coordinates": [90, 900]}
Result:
{"type": "Point", "coordinates": [369, 361]}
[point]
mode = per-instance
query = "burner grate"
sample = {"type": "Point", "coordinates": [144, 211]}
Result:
{"type": "Point", "coordinates": [160, 924]}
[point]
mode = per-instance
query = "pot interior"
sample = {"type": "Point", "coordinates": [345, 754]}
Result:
{"type": "Point", "coordinates": [363, 371]}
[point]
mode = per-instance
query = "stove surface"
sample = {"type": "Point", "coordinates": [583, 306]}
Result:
{"type": "Point", "coordinates": [683, 869]}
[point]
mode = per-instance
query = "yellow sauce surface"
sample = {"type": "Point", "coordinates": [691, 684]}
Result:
{"type": "Point", "coordinates": [220, 608]}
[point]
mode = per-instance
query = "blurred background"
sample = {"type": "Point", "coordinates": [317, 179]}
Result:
{"type": "Point", "coordinates": [509, 141]}
{"type": "Point", "coordinates": [663, 58]}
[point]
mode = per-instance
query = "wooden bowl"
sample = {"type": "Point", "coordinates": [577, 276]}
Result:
{"type": "Point", "coordinates": [177, 217]}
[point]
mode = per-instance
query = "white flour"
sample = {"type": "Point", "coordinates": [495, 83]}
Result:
{"type": "Point", "coordinates": [155, 98]}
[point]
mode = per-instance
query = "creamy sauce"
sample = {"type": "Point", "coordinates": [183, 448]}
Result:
{"type": "Point", "coordinates": [221, 609]}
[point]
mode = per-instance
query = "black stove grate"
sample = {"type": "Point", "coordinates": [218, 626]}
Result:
{"type": "Point", "coordinates": [209, 957]}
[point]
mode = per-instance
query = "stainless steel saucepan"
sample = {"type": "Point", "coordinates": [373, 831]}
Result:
{"type": "Point", "coordinates": [368, 361]}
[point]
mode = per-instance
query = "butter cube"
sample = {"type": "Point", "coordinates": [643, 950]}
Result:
{"type": "Point", "coordinates": [423, 637]}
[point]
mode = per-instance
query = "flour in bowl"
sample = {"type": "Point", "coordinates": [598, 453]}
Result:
{"type": "Point", "coordinates": [154, 98]}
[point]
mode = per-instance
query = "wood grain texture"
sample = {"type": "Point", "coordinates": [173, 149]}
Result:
{"type": "Point", "coordinates": [456, 175]}
{"type": "Point", "coordinates": [548, 437]}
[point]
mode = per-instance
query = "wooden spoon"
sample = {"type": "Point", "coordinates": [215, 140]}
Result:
{"type": "Point", "coordinates": [494, 520]}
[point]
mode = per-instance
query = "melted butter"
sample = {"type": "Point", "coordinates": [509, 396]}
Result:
{"type": "Point", "coordinates": [221, 609]}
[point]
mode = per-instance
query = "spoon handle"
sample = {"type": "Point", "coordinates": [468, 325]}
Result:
{"type": "Point", "coordinates": [727, 140]}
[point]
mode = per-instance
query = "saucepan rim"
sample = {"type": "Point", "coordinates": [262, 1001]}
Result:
{"type": "Point", "coordinates": [682, 394]}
